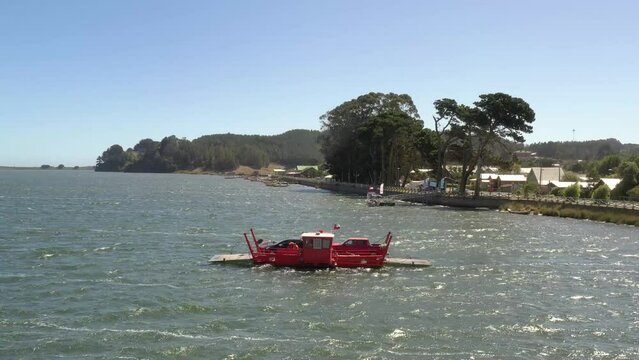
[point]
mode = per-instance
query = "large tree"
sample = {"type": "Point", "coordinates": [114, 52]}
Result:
{"type": "Point", "coordinates": [495, 120]}
{"type": "Point", "coordinates": [346, 156]}
{"type": "Point", "coordinates": [443, 137]}
{"type": "Point", "coordinates": [629, 171]}
{"type": "Point", "coordinates": [113, 159]}
{"type": "Point", "coordinates": [392, 143]}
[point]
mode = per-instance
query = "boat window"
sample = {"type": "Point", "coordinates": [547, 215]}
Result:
{"type": "Point", "coordinates": [317, 243]}
{"type": "Point", "coordinates": [326, 244]}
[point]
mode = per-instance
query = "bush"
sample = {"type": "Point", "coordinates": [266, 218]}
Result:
{"type": "Point", "coordinates": [634, 193]}
{"type": "Point", "coordinates": [601, 193]}
{"type": "Point", "coordinates": [557, 192]}
{"type": "Point", "coordinates": [530, 189]}
{"type": "Point", "coordinates": [573, 191]}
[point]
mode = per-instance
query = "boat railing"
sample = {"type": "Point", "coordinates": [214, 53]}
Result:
{"type": "Point", "coordinates": [248, 243]}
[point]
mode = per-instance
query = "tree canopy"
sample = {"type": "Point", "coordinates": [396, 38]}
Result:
{"type": "Point", "coordinates": [223, 152]}
{"type": "Point", "coordinates": [371, 138]}
{"type": "Point", "coordinates": [469, 134]}
{"type": "Point", "coordinates": [582, 150]}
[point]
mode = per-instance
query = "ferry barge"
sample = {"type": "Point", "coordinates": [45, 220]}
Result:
{"type": "Point", "coordinates": [317, 250]}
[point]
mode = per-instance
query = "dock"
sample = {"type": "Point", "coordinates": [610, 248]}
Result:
{"type": "Point", "coordinates": [246, 258]}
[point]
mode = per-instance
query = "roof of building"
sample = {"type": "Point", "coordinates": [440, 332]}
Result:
{"type": "Point", "coordinates": [304, 167]}
{"type": "Point", "coordinates": [542, 174]}
{"type": "Point", "coordinates": [612, 183]}
{"type": "Point", "coordinates": [512, 177]}
{"type": "Point", "coordinates": [565, 184]}
{"type": "Point", "coordinates": [486, 176]}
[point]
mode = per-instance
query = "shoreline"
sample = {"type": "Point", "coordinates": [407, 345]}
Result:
{"type": "Point", "coordinates": [18, 168]}
{"type": "Point", "coordinates": [604, 213]}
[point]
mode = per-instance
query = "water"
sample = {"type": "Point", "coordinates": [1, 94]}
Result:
{"type": "Point", "coordinates": [114, 266]}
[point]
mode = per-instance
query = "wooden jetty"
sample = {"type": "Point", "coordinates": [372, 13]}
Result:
{"type": "Point", "coordinates": [246, 259]}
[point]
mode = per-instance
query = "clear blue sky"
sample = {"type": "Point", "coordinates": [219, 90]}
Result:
{"type": "Point", "coordinates": [79, 76]}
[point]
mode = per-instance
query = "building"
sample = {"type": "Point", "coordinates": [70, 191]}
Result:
{"type": "Point", "coordinates": [485, 181]}
{"type": "Point", "coordinates": [612, 183]}
{"type": "Point", "coordinates": [500, 182]}
{"type": "Point", "coordinates": [301, 168]}
{"type": "Point", "coordinates": [542, 176]}
{"type": "Point", "coordinates": [524, 154]}
{"type": "Point", "coordinates": [508, 182]}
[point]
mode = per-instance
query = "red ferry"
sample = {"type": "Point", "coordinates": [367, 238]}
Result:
{"type": "Point", "coordinates": [317, 250]}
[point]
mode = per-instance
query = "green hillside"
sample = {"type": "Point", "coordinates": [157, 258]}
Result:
{"type": "Point", "coordinates": [219, 152]}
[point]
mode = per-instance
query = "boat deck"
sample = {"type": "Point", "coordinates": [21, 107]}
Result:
{"type": "Point", "coordinates": [245, 258]}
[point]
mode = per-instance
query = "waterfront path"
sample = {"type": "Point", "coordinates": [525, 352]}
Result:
{"type": "Point", "coordinates": [492, 200]}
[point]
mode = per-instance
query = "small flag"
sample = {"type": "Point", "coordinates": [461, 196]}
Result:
{"type": "Point", "coordinates": [336, 227]}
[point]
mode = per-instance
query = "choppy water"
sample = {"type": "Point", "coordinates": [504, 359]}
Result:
{"type": "Point", "coordinates": [113, 266]}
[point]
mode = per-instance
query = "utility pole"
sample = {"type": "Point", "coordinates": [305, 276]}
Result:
{"type": "Point", "coordinates": [573, 134]}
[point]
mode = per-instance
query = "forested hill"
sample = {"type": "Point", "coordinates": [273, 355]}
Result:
{"type": "Point", "coordinates": [220, 152]}
{"type": "Point", "coordinates": [582, 150]}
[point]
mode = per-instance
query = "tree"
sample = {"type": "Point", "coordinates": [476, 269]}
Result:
{"type": "Point", "coordinates": [251, 155]}
{"type": "Point", "coordinates": [608, 165]}
{"type": "Point", "coordinates": [577, 150]}
{"type": "Point", "coordinates": [570, 176]}
{"type": "Point", "coordinates": [428, 147]}
{"type": "Point", "coordinates": [146, 146]}
{"type": "Point", "coordinates": [493, 121]}
{"type": "Point", "coordinates": [60, 167]}
{"type": "Point", "coordinates": [224, 159]}
{"type": "Point", "coordinates": [447, 116]}
{"type": "Point", "coordinates": [530, 188]}
{"type": "Point", "coordinates": [113, 159]}
{"type": "Point", "coordinates": [392, 143]}
{"type": "Point", "coordinates": [347, 158]}
{"type": "Point", "coordinates": [629, 171]}
{"type": "Point", "coordinates": [177, 153]}
{"type": "Point", "coordinates": [44, 167]}
{"type": "Point", "coordinates": [601, 193]}
{"type": "Point", "coordinates": [221, 152]}
{"type": "Point", "coordinates": [573, 191]}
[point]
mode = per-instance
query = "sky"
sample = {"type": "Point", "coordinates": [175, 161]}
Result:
{"type": "Point", "coordinates": [79, 76]}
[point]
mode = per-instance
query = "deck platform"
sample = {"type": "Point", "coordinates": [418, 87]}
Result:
{"type": "Point", "coordinates": [230, 258]}
{"type": "Point", "coordinates": [245, 258]}
{"type": "Point", "coordinates": [407, 262]}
